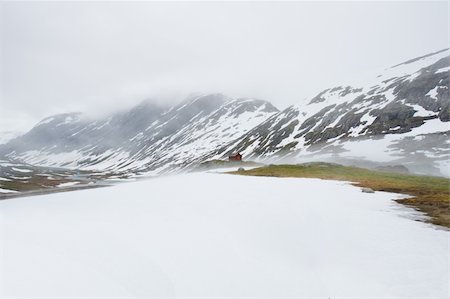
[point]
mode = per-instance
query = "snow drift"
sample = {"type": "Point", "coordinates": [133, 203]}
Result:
{"type": "Point", "coordinates": [217, 235]}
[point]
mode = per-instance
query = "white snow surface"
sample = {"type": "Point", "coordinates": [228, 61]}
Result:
{"type": "Point", "coordinates": [68, 184]}
{"type": "Point", "coordinates": [443, 70]}
{"type": "Point", "coordinates": [21, 170]}
{"type": "Point", "coordinates": [3, 190]}
{"type": "Point", "coordinates": [217, 235]}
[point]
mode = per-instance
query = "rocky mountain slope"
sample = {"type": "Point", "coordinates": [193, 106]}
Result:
{"type": "Point", "coordinates": [146, 139]}
{"type": "Point", "coordinates": [401, 116]}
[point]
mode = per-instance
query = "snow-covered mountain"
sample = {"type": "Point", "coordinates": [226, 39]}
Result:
{"type": "Point", "coordinates": [146, 139]}
{"type": "Point", "coordinates": [401, 116]}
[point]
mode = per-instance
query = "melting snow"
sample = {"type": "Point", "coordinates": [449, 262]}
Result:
{"type": "Point", "coordinates": [378, 149]}
{"type": "Point", "coordinates": [2, 190]}
{"type": "Point", "coordinates": [21, 169]}
{"type": "Point", "coordinates": [68, 184]}
{"type": "Point", "coordinates": [433, 92]}
{"type": "Point", "coordinates": [420, 111]}
{"type": "Point", "coordinates": [443, 70]}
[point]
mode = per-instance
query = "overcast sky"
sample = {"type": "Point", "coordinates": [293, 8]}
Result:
{"type": "Point", "coordinates": [63, 57]}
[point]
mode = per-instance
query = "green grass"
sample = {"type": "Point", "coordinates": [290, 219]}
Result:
{"type": "Point", "coordinates": [34, 183]}
{"type": "Point", "coordinates": [430, 194]}
{"type": "Point", "coordinates": [213, 164]}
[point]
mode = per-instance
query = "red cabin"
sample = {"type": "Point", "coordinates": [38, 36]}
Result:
{"type": "Point", "coordinates": [235, 157]}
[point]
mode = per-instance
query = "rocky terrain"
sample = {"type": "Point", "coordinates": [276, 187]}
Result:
{"type": "Point", "coordinates": [146, 139]}
{"type": "Point", "coordinates": [401, 117]}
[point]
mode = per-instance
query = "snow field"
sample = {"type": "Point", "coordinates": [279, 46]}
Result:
{"type": "Point", "coordinates": [219, 235]}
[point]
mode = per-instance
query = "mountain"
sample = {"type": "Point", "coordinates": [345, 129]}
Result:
{"type": "Point", "coordinates": [401, 116]}
{"type": "Point", "coordinates": [146, 139]}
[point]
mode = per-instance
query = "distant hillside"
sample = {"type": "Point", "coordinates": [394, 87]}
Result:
{"type": "Point", "coordinates": [148, 139]}
{"type": "Point", "coordinates": [401, 117]}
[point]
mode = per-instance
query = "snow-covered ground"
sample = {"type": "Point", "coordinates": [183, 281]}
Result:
{"type": "Point", "coordinates": [218, 235]}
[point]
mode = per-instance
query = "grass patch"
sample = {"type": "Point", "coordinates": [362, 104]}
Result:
{"type": "Point", "coordinates": [214, 164]}
{"type": "Point", "coordinates": [430, 194]}
{"type": "Point", "coordinates": [34, 183]}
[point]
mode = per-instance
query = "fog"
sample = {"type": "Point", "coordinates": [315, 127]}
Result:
{"type": "Point", "coordinates": [100, 57]}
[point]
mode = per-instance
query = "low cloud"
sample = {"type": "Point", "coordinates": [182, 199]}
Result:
{"type": "Point", "coordinates": [100, 57]}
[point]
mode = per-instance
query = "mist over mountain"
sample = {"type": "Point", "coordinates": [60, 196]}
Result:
{"type": "Point", "coordinates": [400, 117]}
{"type": "Point", "coordinates": [233, 149]}
{"type": "Point", "coordinates": [6, 136]}
{"type": "Point", "coordinates": [147, 138]}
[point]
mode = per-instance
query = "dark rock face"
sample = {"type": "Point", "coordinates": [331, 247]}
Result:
{"type": "Point", "coordinates": [394, 115]}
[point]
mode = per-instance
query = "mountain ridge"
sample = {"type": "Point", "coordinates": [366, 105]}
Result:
{"type": "Point", "coordinates": [142, 139]}
{"type": "Point", "coordinates": [395, 102]}
{"type": "Point", "coordinates": [404, 112]}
